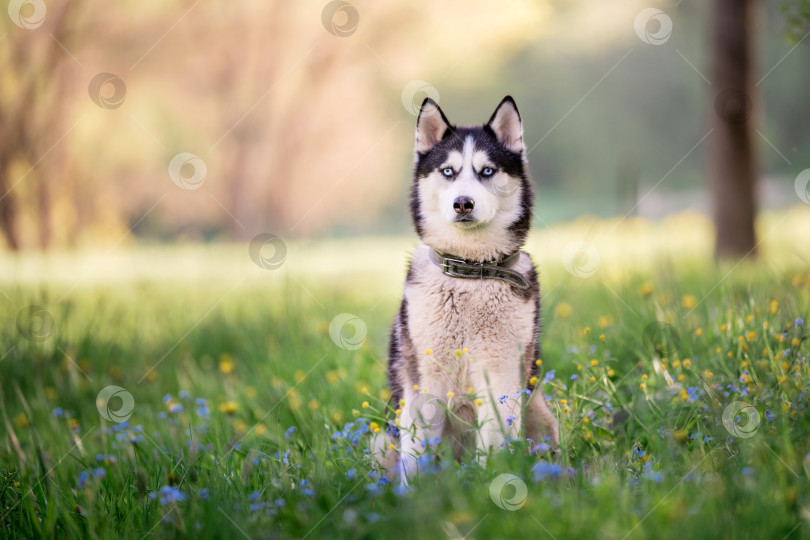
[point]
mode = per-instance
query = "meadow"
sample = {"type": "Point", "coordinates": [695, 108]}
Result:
{"type": "Point", "coordinates": [186, 391]}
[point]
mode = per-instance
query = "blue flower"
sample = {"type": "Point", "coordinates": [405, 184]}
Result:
{"type": "Point", "coordinates": [503, 399]}
{"type": "Point", "coordinates": [799, 321]}
{"type": "Point", "coordinates": [510, 420]}
{"type": "Point", "coordinates": [255, 495]}
{"type": "Point", "coordinates": [168, 494]}
{"type": "Point", "coordinates": [83, 476]}
{"type": "Point", "coordinates": [540, 448]}
{"type": "Point", "coordinates": [544, 469]}
{"type": "Point", "coordinates": [175, 408]}
{"type": "Point", "coordinates": [549, 377]}
{"type": "Point", "coordinates": [747, 471]}
{"type": "Point", "coordinates": [574, 377]}
{"type": "Point", "coordinates": [99, 472]}
{"type": "Point", "coordinates": [351, 474]}
{"type": "Point", "coordinates": [184, 395]}
{"type": "Point", "coordinates": [59, 412]}
{"type": "Point", "coordinates": [655, 476]}
{"type": "Point", "coordinates": [289, 432]}
{"type": "Point", "coordinates": [204, 494]}
{"type": "Point", "coordinates": [167, 398]}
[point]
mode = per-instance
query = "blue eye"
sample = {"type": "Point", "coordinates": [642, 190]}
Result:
{"type": "Point", "coordinates": [486, 172]}
{"type": "Point", "coordinates": [447, 172]}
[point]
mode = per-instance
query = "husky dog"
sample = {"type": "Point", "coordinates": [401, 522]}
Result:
{"type": "Point", "coordinates": [465, 343]}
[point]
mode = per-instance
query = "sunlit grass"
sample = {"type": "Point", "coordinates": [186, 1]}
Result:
{"type": "Point", "coordinates": [249, 417]}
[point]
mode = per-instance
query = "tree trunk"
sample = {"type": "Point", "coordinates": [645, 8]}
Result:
{"type": "Point", "coordinates": [733, 166]}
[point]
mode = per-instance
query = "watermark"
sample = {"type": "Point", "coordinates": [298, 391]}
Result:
{"type": "Point", "coordinates": [107, 90]}
{"type": "Point", "coordinates": [733, 106]}
{"type": "Point", "coordinates": [115, 404]}
{"type": "Point", "coordinates": [802, 185]}
{"type": "Point", "coordinates": [340, 18]}
{"type": "Point", "coordinates": [508, 491]}
{"type": "Point", "coordinates": [415, 93]}
{"type": "Point", "coordinates": [35, 323]}
{"type": "Point", "coordinates": [268, 251]}
{"type": "Point", "coordinates": [187, 171]}
{"type": "Point", "coordinates": [653, 26]}
{"type": "Point", "coordinates": [580, 259]}
{"type": "Point", "coordinates": [501, 185]}
{"type": "Point", "coordinates": [661, 337]}
{"type": "Point", "coordinates": [741, 419]}
{"type": "Point", "coordinates": [358, 334]}
{"type": "Point", "coordinates": [427, 410]}
{"type": "Point", "coordinates": [28, 14]}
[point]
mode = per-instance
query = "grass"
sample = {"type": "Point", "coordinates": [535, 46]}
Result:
{"type": "Point", "coordinates": [248, 418]}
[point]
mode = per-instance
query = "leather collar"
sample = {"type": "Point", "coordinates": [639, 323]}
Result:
{"type": "Point", "coordinates": [501, 270]}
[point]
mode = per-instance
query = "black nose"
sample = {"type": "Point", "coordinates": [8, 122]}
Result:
{"type": "Point", "coordinates": [463, 205]}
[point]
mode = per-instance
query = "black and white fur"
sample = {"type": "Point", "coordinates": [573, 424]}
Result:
{"type": "Point", "coordinates": [496, 324]}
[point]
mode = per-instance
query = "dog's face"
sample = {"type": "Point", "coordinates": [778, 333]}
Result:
{"type": "Point", "coordinates": [471, 196]}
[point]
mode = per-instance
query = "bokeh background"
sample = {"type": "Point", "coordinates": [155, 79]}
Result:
{"type": "Point", "coordinates": [300, 115]}
{"type": "Point", "coordinates": [203, 240]}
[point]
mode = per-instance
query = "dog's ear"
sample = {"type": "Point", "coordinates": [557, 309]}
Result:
{"type": "Point", "coordinates": [507, 126]}
{"type": "Point", "coordinates": [431, 125]}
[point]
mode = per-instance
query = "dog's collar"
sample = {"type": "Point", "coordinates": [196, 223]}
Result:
{"type": "Point", "coordinates": [500, 270]}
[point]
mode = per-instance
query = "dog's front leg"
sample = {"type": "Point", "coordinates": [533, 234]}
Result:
{"type": "Point", "coordinates": [423, 418]}
{"type": "Point", "coordinates": [499, 415]}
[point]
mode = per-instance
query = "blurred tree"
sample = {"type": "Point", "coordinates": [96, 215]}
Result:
{"type": "Point", "coordinates": [733, 160]}
{"type": "Point", "coordinates": [32, 109]}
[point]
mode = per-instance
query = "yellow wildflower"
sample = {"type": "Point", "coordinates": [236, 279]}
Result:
{"type": "Point", "coordinates": [226, 364]}
{"type": "Point", "coordinates": [228, 407]}
{"type": "Point", "coordinates": [646, 289]}
{"type": "Point", "coordinates": [563, 310]}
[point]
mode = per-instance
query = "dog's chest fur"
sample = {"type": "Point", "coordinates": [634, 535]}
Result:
{"type": "Point", "coordinates": [493, 321]}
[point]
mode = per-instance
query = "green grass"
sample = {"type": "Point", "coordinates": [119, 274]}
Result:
{"type": "Point", "coordinates": [642, 459]}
